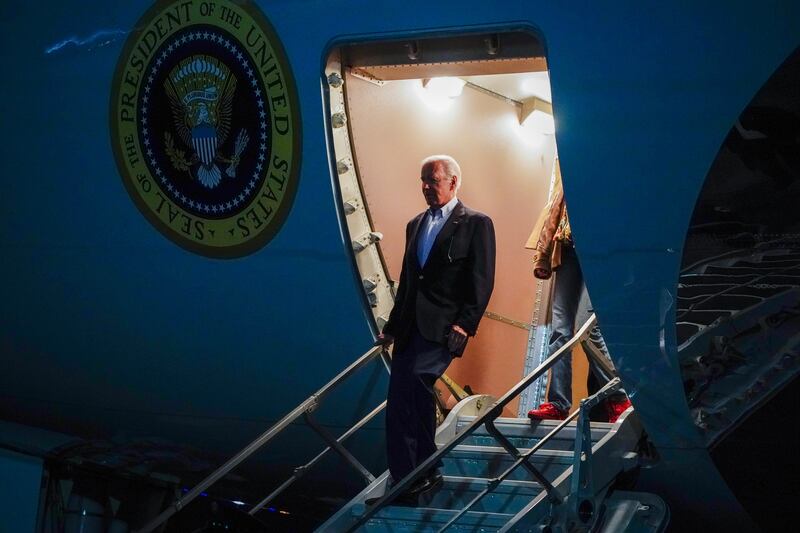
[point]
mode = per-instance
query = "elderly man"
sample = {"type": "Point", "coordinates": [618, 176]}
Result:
{"type": "Point", "coordinates": [446, 280]}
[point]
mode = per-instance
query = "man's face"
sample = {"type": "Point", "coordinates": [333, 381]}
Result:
{"type": "Point", "coordinates": [437, 187]}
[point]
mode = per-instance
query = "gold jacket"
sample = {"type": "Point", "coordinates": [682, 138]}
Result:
{"type": "Point", "coordinates": [550, 232]}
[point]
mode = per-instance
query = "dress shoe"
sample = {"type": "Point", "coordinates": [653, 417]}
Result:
{"type": "Point", "coordinates": [615, 407]}
{"type": "Point", "coordinates": [547, 411]}
{"type": "Point", "coordinates": [410, 497]}
{"type": "Point", "coordinates": [427, 484]}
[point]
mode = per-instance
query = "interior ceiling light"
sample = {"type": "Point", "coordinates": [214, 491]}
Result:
{"type": "Point", "coordinates": [537, 116]}
{"type": "Point", "coordinates": [447, 87]}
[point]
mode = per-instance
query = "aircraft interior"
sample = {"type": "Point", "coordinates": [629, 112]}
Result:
{"type": "Point", "coordinates": [494, 116]}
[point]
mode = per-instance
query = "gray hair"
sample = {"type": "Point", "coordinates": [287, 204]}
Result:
{"type": "Point", "coordinates": [450, 166]}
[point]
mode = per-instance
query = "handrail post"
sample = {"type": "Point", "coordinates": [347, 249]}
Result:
{"type": "Point", "coordinates": [301, 470]}
{"type": "Point", "coordinates": [247, 451]}
{"type": "Point", "coordinates": [494, 483]}
{"type": "Point", "coordinates": [552, 493]}
{"type": "Point", "coordinates": [498, 406]}
{"type": "Point", "coordinates": [338, 448]}
{"type": "Point", "coordinates": [581, 507]}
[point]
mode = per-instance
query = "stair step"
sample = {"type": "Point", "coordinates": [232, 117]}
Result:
{"type": "Point", "coordinates": [524, 433]}
{"type": "Point", "coordinates": [426, 519]}
{"type": "Point", "coordinates": [752, 269]}
{"type": "Point", "coordinates": [691, 291]}
{"type": "Point", "coordinates": [685, 331]}
{"type": "Point", "coordinates": [509, 497]}
{"type": "Point", "coordinates": [717, 301]}
{"type": "Point", "coordinates": [781, 257]}
{"type": "Point", "coordinates": [703, 318]}
{"type": "Point", "coordinates": [733, 280]}
{"type": "Point", "coordinates": [772, 262]}
{"type": "Point", "coordinates": [715, 279]}
{"type": "Point", "coordinates": [490, 462]}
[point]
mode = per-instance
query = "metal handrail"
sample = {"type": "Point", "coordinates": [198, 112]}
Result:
{"type": "Point", "coordinates": [487, 417]}
{"type": "Point", "coordinates": [307, 406]}
{"type": "Point", "coordinates": [586, 404]}
{"type": "Point", "coordinates": [301, 470]}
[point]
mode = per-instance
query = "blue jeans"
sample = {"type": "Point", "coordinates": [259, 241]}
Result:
{"type": "Point", "coordinates": [571, 306]}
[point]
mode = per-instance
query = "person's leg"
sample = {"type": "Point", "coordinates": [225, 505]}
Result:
{"type": "Point", "coordinates": [431, 362]}
{"type": "Point", "coordinates": [618, 402]}
{"type": "Point", "coordinates": [565, 303]}
{"type": "Point", "coordinates": [595, 339]}
{"type": "Point", "coordinates": [401, 446]}
{"type": "Point", "coordinates": [410, 408]}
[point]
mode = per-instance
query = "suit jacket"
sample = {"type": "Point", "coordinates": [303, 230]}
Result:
{"type": "Point", "coordinates": [455, 284]}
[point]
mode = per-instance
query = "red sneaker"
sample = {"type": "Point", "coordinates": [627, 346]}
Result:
{"type": "Point", "coordinates": [547, 411]}
{"type": "Point", "coordinates": [614, 408]}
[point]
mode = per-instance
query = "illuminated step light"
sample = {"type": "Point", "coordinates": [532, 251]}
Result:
{"type": "Point", "coordinates": [447, 87]}
{"type": "Point", "coordinates": [537, 116]}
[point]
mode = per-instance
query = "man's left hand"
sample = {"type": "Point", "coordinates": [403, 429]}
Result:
{"type": "Point", "coordinates": [456, 340]}
{"type": "Point", "coordinates": [459, 329]}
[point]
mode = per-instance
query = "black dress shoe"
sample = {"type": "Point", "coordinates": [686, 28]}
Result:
{"type": "Point", "coordinates": [410, 497]}
{"type": "Point", "coordinates": [427, 484]}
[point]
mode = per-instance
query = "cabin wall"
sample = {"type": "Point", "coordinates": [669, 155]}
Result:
{"type": "Point", "coordinates": [504, 176]}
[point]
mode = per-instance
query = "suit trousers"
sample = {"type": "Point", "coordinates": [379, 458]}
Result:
{"type": "Point", "coordinates": [411, 407]}
{"type": "Point", "coordinates": [571, 306]}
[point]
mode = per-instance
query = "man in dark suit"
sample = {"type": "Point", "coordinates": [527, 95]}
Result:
{"type": "Point", "coordinates": [446, 280]}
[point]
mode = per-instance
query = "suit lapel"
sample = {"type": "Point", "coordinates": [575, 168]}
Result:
{"type": "Point", "coordinates": [412, 242]}
{"type": "Point", "coordinates": [447, 231]}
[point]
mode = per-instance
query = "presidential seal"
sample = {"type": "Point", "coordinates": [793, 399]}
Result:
{"type": "Point", "coordinates": [205, 125]}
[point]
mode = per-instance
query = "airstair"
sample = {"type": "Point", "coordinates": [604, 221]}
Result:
{"type": "Point", "coordinates": [500, 474]}
{"type": "Point", "coordinates": [738, 317]}
{"type": "Point", "coordinates": [486, 489]}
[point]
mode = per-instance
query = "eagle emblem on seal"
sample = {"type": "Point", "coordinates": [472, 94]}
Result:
{"type": "Point", "coordinates": [200, 90]}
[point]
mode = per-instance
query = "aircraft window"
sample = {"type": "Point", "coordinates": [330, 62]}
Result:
{"type": "Point", "coordinates": [485, 100]}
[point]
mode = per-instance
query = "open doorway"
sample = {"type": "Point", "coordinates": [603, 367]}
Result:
{"type": "Point", "coordinates": [485, 100]}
